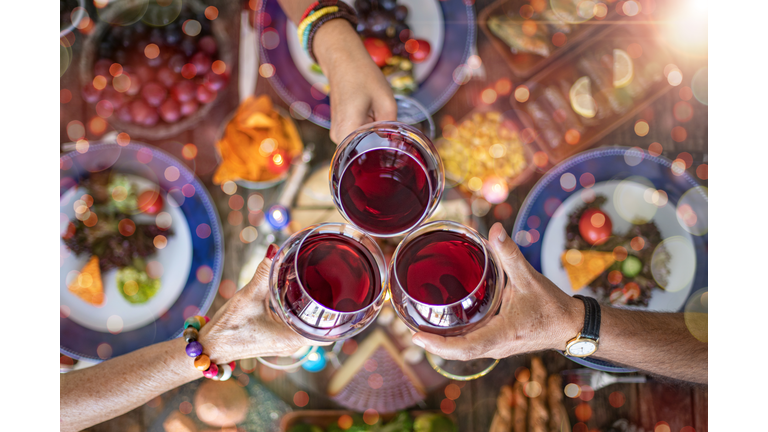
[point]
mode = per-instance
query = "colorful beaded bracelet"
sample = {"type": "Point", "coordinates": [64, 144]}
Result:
{"type": "Point", "coordinates": [317, 14]}
{"type": "Point", "coordinates": [313, 16]}
{"type": "Point", "coordinates": [313, 29]}
{"type": "Point", "coordinates": [194, 349]}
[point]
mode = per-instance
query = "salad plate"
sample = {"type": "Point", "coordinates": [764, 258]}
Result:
{"type": "Point", "coordinates": [450, 31]}
{"type": "Point", "coordinates": [635, 189]}
{"type": "Point", "coordinates": [186, 261]}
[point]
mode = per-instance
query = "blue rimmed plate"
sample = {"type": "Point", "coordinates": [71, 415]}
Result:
{"type": "Point", "coordinates": [191, 262]}
{"type": "Point", "coordinates": [450, 30]}
{"type": "Point", "coordinates": [628, 178]}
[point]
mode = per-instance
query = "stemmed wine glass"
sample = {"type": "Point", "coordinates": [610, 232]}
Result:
{"type": "Point", "coordinates": [446, 279]}
{"type": "Point", "coordinates": [327, 283]}
{"type": "Point", "coordinates": [387, 177]}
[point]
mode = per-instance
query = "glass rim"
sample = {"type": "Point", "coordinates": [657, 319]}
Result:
{"type": "Point", "coordinates": [479, 239]}
{"type": "Point", "coordinates": [423, 216]}
{"type": "Point", "coordinates": [309, 231]}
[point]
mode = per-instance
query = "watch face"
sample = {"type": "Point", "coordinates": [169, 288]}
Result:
{"type": "Point", "coordinates": [582, 348]}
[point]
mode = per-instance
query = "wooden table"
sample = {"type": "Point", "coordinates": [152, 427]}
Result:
{"type": "Point", "coordinates": [646, 404]}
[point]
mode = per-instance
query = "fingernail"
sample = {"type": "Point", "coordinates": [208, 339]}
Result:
{"type": "Point", "coordinates": [271, 251]}
{"type": "Point", "coordinates": [502, 236]}
{"type": "Point", "coordinates": [418, 342]}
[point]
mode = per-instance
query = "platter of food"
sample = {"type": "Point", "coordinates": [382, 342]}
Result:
{"type": "Point", "coordinates": [411, 52]}
{"type": "Point", "coordinates": [620, 225]}
{"type": "Point", "coordinates": [141, 249]}
{"type": "Point", "coordinates": [592, 90]}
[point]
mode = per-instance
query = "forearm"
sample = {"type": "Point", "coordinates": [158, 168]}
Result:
{"type": "Point", "coordinates": [107, 390]}
{"type": "Point", "coordinates": [658, 343]}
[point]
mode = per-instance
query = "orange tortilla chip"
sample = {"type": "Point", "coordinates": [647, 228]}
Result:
{"type": "Point", "coordinates": [585, 266]}
{"type": "Point", "coordinates": [88, 285]}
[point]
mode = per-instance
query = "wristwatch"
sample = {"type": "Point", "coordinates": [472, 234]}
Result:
{"type": "Point", "coordinates": [586, 342]}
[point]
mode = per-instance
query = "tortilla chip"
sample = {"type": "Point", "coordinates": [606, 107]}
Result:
{"type": "Point", "coordinates": [585, 266]}
{"type": "Point", "coordinates": [88, 285]}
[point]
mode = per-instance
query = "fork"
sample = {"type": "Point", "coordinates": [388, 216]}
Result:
{"type": "Point", "coordinates": [597, 379]}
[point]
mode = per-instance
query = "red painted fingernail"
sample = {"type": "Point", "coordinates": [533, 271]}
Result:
{"type": "Point", "coordinates": [271, 251]}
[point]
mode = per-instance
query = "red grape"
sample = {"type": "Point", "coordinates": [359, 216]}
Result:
{"type": "Point", "coordinates": [90, 93]}
{"type": "Point", "coordinates": [113, 96]}
{"type": "Point", "coordinates": [422, 51]}
{"type": "Point", "coordinates": [202, 63]}
{"type": "Point", "coordinates": [140, 111]}
{"type": "Point", "coordinates": [205, 95]}
{"type": "Point", "coordinates": [154, 93]}
{"type": "Point", "coordinates": [207, 44]}
{"type": "Point", "coordinates": [146, 73]}
{"type": "Point", "coordinates": [167, 77]}
{"type": "Point", "coordinates": [135, 87]}
{"type": "Point", "coordinates": [101, 67]}
{"type": "Point", "coordinates": [214, 81]}
{"type": "Point", "coordinates": [152, 118]}
{"type": "Point", "coordinates": [183, 91]}
{"type": "Point", "coordinates": [176, 62]}
{"type": "Point", "coordinates": [189, 107]}
{"type": "Point", "coordinates": [170, 111]}
{"type": "Point", "coordinates": [124, 113]}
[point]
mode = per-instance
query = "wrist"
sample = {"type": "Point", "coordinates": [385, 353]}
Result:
{"type": "Point", "coordinates": [336, 43]}
{"type": "Point", "coordinates": [570, 324]}
{"type": "Point", "coordinates": [215, 346]}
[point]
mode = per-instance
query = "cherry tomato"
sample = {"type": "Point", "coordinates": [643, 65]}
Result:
{"type": "Point", "coordinates": [422, 52]}
{"type": "Point", "coordinates": [595, 226]}
{"type": "Point", "coordinates": [378, 50]}
{"type": "Point", "coordinates": [631, 291]}
{"type": "Point", "coordinates": [150, 202]}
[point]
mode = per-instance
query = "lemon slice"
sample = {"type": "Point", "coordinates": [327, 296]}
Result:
{"type": "Point", "coordinates": [622, 69]}
{"type": "Point", "coordinates": [581, 98]}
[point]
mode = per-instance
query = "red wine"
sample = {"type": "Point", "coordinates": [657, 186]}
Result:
{"type": "Point", "coordinates": [336, 272]}
{"type": "Point", "coordinates": [385, 190]}
{"type": "Point", "coordinates": [440, 268]}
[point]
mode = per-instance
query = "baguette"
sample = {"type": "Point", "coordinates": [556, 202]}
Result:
{"type": "Point", "coordinates": [502, 420]}
{"type": "Point", "coordinates": [520, 408]}
{"type": "Point", "coordinates": [555, 402]}
{"type": "Point", "coordinates": [538, 417]}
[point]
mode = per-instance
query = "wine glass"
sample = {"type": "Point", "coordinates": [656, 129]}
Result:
{"type": "Point", "coordinates": [387, 177]}
{"type": "Point", "coordinates": [446, 279]}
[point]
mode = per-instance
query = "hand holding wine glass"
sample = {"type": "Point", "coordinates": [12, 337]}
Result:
{"type": "Point", "coordinates": [245, 328]}
{"type": "Point", "coordinates": [535, 314]}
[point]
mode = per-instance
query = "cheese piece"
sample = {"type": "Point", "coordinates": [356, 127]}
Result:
{"type": "Point", "coordinates": [585, 266]}
{"type": "Point", "coordinates": [396, 387]}
{"type": "Point", "coordinates": [88, 285]}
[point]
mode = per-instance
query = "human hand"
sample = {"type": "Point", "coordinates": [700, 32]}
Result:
{"type": "Point", "coordinates": [535, 314]}
{"type": "Point", "coordinates": [245, 327]}
{"type": "Point", "coordinates": [359, 92]}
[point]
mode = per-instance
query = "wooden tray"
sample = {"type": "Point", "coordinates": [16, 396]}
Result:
{"type": "Point", "coordinates": [524, 65]}
{"type": "Point", "coordinates": [325, 418]}
{"type": "Point", "coordinates": [654, 57]}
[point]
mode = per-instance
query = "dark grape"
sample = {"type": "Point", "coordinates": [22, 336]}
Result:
{"type": "Point", "coordinates": [105, 49]}
{"type": "Point", "coordinates": [204, 94]}
{"type": "Point", "coordinates": [90, 93]}
{"type": "Point", "coordinates": [154, 62]}
{"type": "Point", "coordinates": [139, 28]}
{"type": "Point", "coordinates": [388, 4]}
{"type": "Point", "coordinates": [207, 44]}
{"type": "Point", "coordinates": [401, 12]}
{"type": "Point", "coordinates": [362, 6]}
{"type": "Point", "coordinates": [189, 107]}
{"type": "Point", "coordinates": [145, 73]}
{"type": "Point", "coordinates": [121, 57]}
{"type": "Point", "coordinates": [188, 46]}
{"type": "Point", "coordinates": [183, 91]}
{"type": "Point", "coordinates": [214, 81]}
{"type": "Point", "coordinates": [170, 111]}
{"type": "Point", "coordinates": [378, 22]}
{"type": "Point", "coordinates": [156, 36]}
{"type": "Point", "coordinates": [101, 67]}
{"type": "Point", "coordinates": [173, 36]}
{"type": "Point", "coordinates": [154, 93]}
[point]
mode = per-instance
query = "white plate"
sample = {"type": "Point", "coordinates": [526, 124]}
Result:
{"type": "Point", "coordinates": [175, 259]}
{"type": "Point", "coordinates": [679, 243]}
{"type": "Point", "coordinates": [425, 19]}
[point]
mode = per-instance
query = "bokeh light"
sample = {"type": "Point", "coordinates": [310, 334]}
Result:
{"type": "Point", "coordinates": [700, 86]}
{"type": "Point", "coordinates": [488, 96]}
{"type": "Point", "coordinates": [104, 351]}
{"type": "Point", "coordinates": [189, 151]}
{"type": "Point", "coordinates": [191, 27]}
{"type": "Point", "coordinates": [641, 128]}
{"type": "Point", "coordinates": [266, 70]}
{"type": "Point", "coordinates": [522, 94]}
{"type": "Point", "coordinates": [692, 210]}
{"type": "Point", "coordinates": [702, 171]}
{"type": "Point", "coordinates": [655, 149]}
{"type": "Point", "coordinates": [572, 390]}
{"type": "Point", "coordinates": [371, 416]}
{"type": "Point", "coordinates": [629, 202]}
{"type": "Point", "coordinates": [540, 159]}
{"type": "Point", "coordinates": [616, 399]}
{"type": "Point", "coordinates": [151, 51]}
{"type": "Point", "coordinates": [662, 426]}
{"type": "Point", "coordinates": [211, 13]}
{"type": "Point", "coordinates": [583, 411]}
{"type": "Point", "coordinates": [447, 406]}
{"type": "Point", "coordinates": [203, 230]}
{"type": "Point", "coordinates": [568, 182]}
{"type": "Point", "coordinates": [587, 393]}
{"type": "Point", "coordinates": [227, 288]}
{"type": "Point", "coordinates": [682, 111]}
{"type": "Point", "coordinates": [696, 314]}
{"type": "Point", "coordinates": [301, 398]}
{"type": "Point", "coordinates": [204, 274]}
{"type": "Point", "coordinates": [249, 234]}
{"type": "Point", "coordinates": [634, 156]}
